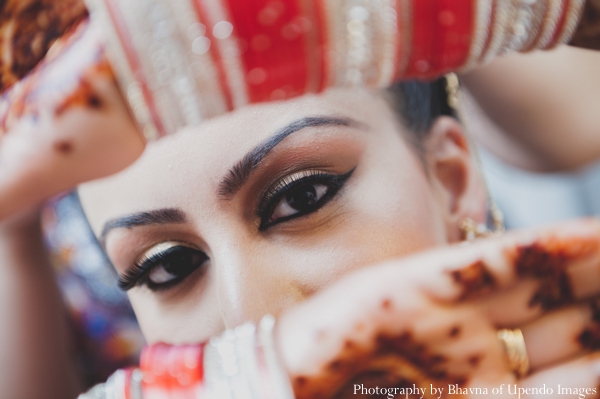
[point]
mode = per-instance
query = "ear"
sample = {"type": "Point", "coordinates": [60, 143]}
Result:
{"type": "Point", "coordinates": [455, 176]}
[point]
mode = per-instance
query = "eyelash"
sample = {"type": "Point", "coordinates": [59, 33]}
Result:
{"type": "Point", "coordinates": [139, 273]}
{"type": "Point", "coordinates": [276, 193]}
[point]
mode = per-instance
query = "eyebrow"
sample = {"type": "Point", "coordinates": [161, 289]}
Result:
{"type": "Point", "coordinates": [157, 216]}
{"type": "Point", "coordinates": [239, 174]}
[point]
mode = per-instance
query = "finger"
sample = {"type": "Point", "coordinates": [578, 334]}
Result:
{"type": "Point", "coordinates": [577, 379]}
{"type": "Point", "coordinates": [563, 260]}
{"type": "Point", "coordinates": [525, 301]}
{"type": "Point", "coordinates": [553, 338]}
{"type": "Point", "coordinates": [406, 303]}
{"type": "Point", "coordinates": [561, 335]}
{"type": "Point", "coordinates": [328, 347]}
{"type": "Point", "coordinates": [511, 307]}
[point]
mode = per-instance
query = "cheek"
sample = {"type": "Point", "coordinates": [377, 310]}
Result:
{"type": "Point", "coordinates": [189, 316]}
{"type": "Point", "coordinates": [382, 219]}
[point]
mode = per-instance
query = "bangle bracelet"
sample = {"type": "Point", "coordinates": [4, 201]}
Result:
{"type": "Point", "coordinates": [243, 364]}
{"type": "Point", "coordinates": [123, 384]}
{"type": "Point", "coordinates": [272, 365]}
{"type": "Point", "coordinates": [551, 23]}
{"type": "Point", "coordinates": [481, 33]}
{"type": "Point", "coordinates": [181, 62]}
{"type": "Point", "coordinates": [169, 370]}
{"type": "Point", "coordinates": [573, 15]}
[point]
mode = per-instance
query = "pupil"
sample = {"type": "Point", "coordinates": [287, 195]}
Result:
{"type": "Point", "coordinates": [178, 262]}
{"type": "Point", "coordinates": [303, 198]}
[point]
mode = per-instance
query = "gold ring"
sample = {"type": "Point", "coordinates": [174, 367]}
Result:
{"type": "Point", "coordinates": [514, 344]}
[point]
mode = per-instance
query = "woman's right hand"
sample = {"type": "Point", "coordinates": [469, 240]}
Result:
{"type": "Point", "coordinates": [63, 124]}
{"type": "Point", "coordinates": [433, 319]}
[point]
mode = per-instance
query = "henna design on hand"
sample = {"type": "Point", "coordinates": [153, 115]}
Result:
{"type": "Point", "coordinates": [28, 29]}
{"type": "Point", "coordinates": [475, 280]}
{"type": "Point", "coordinates": [547, 262]}
{"type": "Point", "coordinates": [391, 361]}
{"type": "Point", "coordinates": [590, 337]}
{"type": "Point", "coordinates": [59, 83]}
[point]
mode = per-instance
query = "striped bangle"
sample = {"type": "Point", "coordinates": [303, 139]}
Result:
{"type": "Point", "coordinates": [182, 62]}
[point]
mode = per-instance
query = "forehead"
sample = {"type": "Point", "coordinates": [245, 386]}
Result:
{"type": "Point", "coordinates": [161, 177]}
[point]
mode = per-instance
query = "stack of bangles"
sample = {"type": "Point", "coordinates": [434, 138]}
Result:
{"type": "Point", "coordinates": [240, 363]}
{"type": "Point", "coordinates": [181, 62]}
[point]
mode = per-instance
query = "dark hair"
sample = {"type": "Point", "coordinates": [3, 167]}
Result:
{"type": "Point", "coordinates": [418, 104]}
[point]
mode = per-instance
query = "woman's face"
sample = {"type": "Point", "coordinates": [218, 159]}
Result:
{"type": "Point", "coordinates": [254, 211]}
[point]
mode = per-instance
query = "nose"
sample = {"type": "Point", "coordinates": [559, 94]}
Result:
{"type": "Point", "coordinates": [252, 281]}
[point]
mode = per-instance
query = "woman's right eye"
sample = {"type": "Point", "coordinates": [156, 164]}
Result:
{"type": "Point", "coordinates": [163, 266]}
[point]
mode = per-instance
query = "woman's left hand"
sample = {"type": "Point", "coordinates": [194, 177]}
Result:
{"type": "Point", "coordinates": [63, 124]}
{"type": "Point", "coordinates": [432, 320]}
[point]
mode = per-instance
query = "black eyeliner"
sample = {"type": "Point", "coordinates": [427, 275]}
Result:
{"type": "Point", "coordinates": [333, 181]}
{"type": "Point", "coordinates": [138, 274]}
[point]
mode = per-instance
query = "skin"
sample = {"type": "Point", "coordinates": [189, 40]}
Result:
{"type": "Point", "coordinates": [42, 149]}
{"type": "Point", "coordinates": [43, 152]}
{"type": "Point", "coordinates": [34, 336]}
{"type": "Point", "coordinates": [334, 341]}
{"type": "Point", "coordinates": [429, 318]}
{"type": "Point", "coordinates": [537, 111]}
{"type": "Point", "coordinates": [290, 261]}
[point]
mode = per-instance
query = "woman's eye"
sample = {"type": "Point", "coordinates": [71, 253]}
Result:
{"type": "Point", "coordinates": [176, 264]}
{"type": "Point", "coordinates": [163, 266]}
{"type": "Point", "coordinates": [299, 194]}
{"type": "Point", "coordinates": [299, 200]}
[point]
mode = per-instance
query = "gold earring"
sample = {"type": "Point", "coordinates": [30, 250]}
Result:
{"type": "Point", "coordinates": [470, 228]}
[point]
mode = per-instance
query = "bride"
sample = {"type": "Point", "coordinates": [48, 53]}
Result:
{"type": "Point", "coordinates": [339, 213]}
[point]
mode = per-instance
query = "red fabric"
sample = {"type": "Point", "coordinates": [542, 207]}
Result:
{"type": "Point", "coordinates": [441, 36]}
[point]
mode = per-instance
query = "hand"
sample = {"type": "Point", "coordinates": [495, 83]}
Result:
{"type": "Point", "coordinates": [64, 124]}
{"type": "Point", "coordinates": [29, 28]}
{"type": "Point", "coordinates": [433, 319]}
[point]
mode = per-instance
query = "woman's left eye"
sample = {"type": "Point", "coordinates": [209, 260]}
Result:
{"type": "Point", "coordinates": [299, 200]}
{"type": "Point", "coordinates": [299, 194]}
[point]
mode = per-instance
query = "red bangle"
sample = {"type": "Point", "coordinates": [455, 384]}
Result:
{"type": "Point", "coordinates": [172, 370]}
{"type": "Point", "coordinates": [272, 41]}
{"type": "Point", "coordinates": [457, 25]}
{"type": "Point", "coordinates": [442, 34]}
{"type": "Point", "coordinates": [182, 62]}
